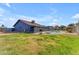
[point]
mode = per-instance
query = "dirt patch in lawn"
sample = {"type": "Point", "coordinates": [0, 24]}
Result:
{"type": "Point", "coordinates": [3, 33]}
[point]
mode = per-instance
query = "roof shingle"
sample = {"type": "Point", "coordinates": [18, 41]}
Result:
{"type": "Point", "coordinates": [29, 23]}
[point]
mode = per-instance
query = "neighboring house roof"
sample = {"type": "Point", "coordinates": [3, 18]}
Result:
{"type": "Point", "coordinates": [29, 23]}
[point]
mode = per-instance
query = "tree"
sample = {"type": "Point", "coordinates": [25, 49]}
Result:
{"type": "Point", "coordinates": [71, 28]}
{"type": "Point", "coordinates": [62, 27]}
{"type": "Point", "coordinates": [77, 27]}
{"type": "Point", "coordinates": [2, 28]}
{"type": "Point", "coordinates": [56, 27]}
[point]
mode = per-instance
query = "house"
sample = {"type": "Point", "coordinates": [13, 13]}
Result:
{"type": "Point", "coordinates": [27, 26]}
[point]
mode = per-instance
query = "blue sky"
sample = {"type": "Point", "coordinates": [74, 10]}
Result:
{"type": "Point", "coordinates": [48, 14]}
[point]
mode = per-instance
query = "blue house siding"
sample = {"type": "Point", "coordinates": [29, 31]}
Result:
{"type": "Point", "coordinates": [21, 27]}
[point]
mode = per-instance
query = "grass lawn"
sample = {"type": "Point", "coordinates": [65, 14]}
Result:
{"type": "Point", "coordinates": [30, 44]}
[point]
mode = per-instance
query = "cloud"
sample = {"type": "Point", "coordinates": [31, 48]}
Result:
{"type": "Point", "coordinates": [10, 17]}
{"type": "Point", "coordinates": [8, 5]}
{"type": "Point", "coordinates": [1, 15]}
{"type": "Point", "coordinates": [54, 24]}
{"type": "Point", "coordinates": [2, 11]}
{"type": "Point", "coordinates": [55, 20]}
{"type": "Point", "coordinates": [76, 16]}
{"type": "Point", "coordinates": [4, 16]}
{"type": "Point", "coordinates": [44, 20]}
{"type": "Point", "coordinates": [1, 22]}
{"type": "Point", "coordinates": [48, 20]}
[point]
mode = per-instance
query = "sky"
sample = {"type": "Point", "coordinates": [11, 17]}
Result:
{"type": "Point", "coordinates": [49, 14]}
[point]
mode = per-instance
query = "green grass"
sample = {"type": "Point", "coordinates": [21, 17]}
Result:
{"type": "Point", "coordinates": [30, 44]}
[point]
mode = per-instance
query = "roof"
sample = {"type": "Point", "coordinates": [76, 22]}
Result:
{"type": "Point", "coordinates": [29, 23]}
